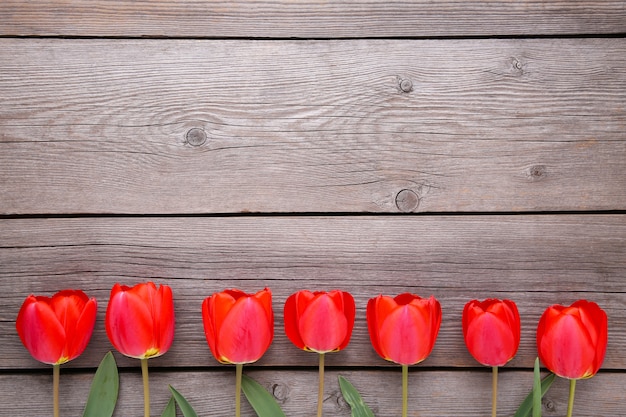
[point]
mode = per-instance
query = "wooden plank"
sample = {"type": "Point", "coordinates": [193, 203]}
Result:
{"type": "Point", "coordinates": [104, 126]}
{"type": "Point", "coordinates": [311, 19]}
{"type": "Point", "coordinates": [534, 260]}
{"type": "Point", "coordinates": [431, 393]}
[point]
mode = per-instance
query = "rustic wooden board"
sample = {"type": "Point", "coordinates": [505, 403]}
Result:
{"type": "Point", "coordinates": [177, 108]}
{"type": "Point", "coordinates": [535, 260]}
{"type": "Point", "coordinates": [311, 19]}
{"type": "Point", "coordinates": [431, 393]}
{"type": "Point", "coordinates": [108, 126]}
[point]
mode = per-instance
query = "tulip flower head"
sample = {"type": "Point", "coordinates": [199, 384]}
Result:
{"type": "Point", "coordinates": [239, 327]}
{"type": "Point", "coordinates": [403, 329]}
{"type": "Point", "coordinates": [491, 330]}
{"type": "Point", "coordinates": [320, 321]}
{"type": "Point", "coordinates": [56, 329]}
{"type": "Point", "coordinates": [140, 320]}
{"type": "Point", "coordinates": [571, 341]}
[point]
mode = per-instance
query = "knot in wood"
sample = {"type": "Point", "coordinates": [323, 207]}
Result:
{"type": "Point", "coordinates": [549, 405]}
{"type": "Point", "coordinates": [342, 404]}
{"type": "Point", "coordinates": [406, 85]}
{"type": "Point", "coordinates": [196, 136]}
{"type": "Point", "coordinates": [280, 392]}
{"type": "Point", "coordinates": [407, 201]}
{"type": "Point", "coordinates": [536, 172]}
{"type": "Point", "coordinates": [517, 67]}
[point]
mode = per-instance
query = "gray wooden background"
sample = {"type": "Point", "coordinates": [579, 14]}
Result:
{"type": "Point", "coordinates": [461, 149]}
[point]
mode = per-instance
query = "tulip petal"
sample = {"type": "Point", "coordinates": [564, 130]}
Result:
{"type": "Point", "coordinates": [67, 306]}
{"type": "Point", "coordinates": [222, 303]}
{"type": "Point", "coordinates": [164, 320]}
{"type": "Point", "coordinates": [406, 298]}
{"type": "Point", "coordinates": [140, 320]}
{"type": "Point", "coordinates": [572, 340]}
{"type": "Point", "coordinates": [513, 320]}
{"type": "Point", "coordinates": [323, 325]}
{"type": "Point", "coordinates": [290, 316]}
{"type": "Point", "coordinates": [145, 291]}
{"type": "Point", "coordinates": [566, 349]}
{"type": "Point", "coordinates": [471, 310]}
{"type": "Point", "coordinates": [303, 299]}
{"type": "Point", "coordinates": [209, 325]}
{"type": "Point", "coordinates": [431, 308]}
{"type": "Point", "coordinates": [77, 314]}
{"type": "Point", "coordinates": [40, 330]}
{"type": "Point", "coordinates": [245, 334]}
{"type": "Point", "coordinates": [56, 329]}
{"type": "Point", "coordinates": [239, 327]}
{"type": "Point", "coordinates": [319, 321]}
{"type": "Point", "coordinates": [405, 335]}
{"type": "Point", "coordinates": [235, 293]}
{"type": "Point", "coordinates": [490, 340]}
{"type": "Point", "coordinates": [264, 297]}
{"type": "Point", "coordinates": [403, 329]}
{"type": "Point", "coordinates": [81, 333]}
{"type": "Point", "coordinates": [349, 310]}
{"type": "Point", "coordinates": [491, 330]}
{"type": "Point", "coordinates": [594, 320]}
{"type": "Point", "coordinates": [129, 324]}
{"type": "Point", "coordinates": [377, 309]}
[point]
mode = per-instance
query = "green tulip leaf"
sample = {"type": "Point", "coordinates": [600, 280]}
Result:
{"type": "Point", "coordinates": [184, 406]}
{"type": "Point", "coordinates": [526, 407]}
{"type": "Point", "coordinates": [262, 401]}
{"type": "Point", "coordinates": [104, 389]}
{"type": "Point", "coordinates": [170, 408]}
{"type": "Point", "coordinates": [352, 397]}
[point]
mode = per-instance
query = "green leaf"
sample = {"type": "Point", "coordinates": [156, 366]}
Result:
{"type": "Point", "coordinates": [352, 397]}
{"type": "Point", "coordinates": [184, 406]}
{"type": "Point", "coordinates": [104, 389]}
{"type": "Point", "coordinates": [262, 401]}
{"type": "Point", "coordinates": [526, 407]}
{"type": "Point", "coordinates": [170, 408]}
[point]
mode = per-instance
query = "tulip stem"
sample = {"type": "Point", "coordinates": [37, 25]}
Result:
{"type": "Point", "coordinates": [146, 387]}
{"type": "Point", "coordinates": [570, 403]}
{"type": "Point", "coordinates": [56, 371]}
{"type": "Point", "coordinates": [320, 392]}
{"type": "Point", "coordinates": [238, 376]}
{"type": "Point", "coordinates": [494, 391]}
{"type": "Point", "coordinates": [405, 390]}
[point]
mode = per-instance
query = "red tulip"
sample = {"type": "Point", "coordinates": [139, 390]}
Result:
{"type": "Point", "coordinates": [572, 340]}
{"type": "Point", "coordinates": [239, 327]}
{"type": "Point", "coordinates": [56, 329]}
{"type": "Point", "coordinates": [140, 320]}
{"type": "Point", "coordinates": [403, 329]}
{"type": "Point", "coordinates": [319, 321]}
{"type": "Point", "coordinates": [491, 330]}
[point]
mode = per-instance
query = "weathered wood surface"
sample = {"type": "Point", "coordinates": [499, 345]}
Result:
{"type": "Point", "coordinates": [535, 260]}
{"type": "Point", "coordinates": [496, 109]}
{"type": "Point", "coordinates": [101, 126]}
{"type": "Point", "coordinates": [311, 19]}
{"type": "Point", "coordinates": [431, 393]}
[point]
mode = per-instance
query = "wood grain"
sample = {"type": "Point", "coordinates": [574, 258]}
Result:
{"type": "Point", "coordinates": [311, 19]}
{"type": "Point", "coordinates": [431, 393]}
{"type": "Point", "coordinates": [534, 260]}
{"type": "Point", "coordinates": [101, 126]}
{"type": "Point", "coordinates": [183, 113]}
